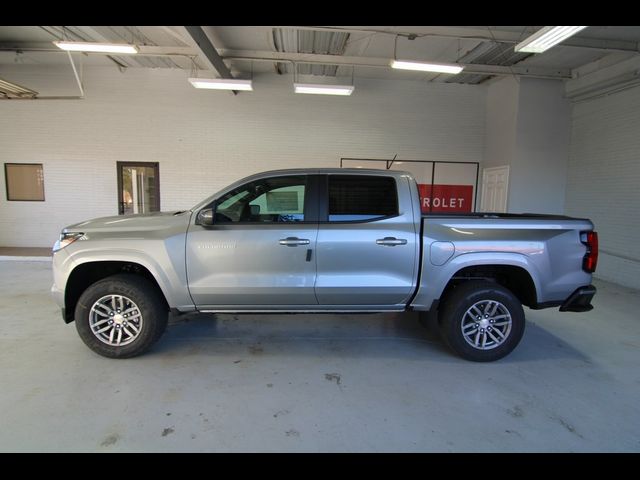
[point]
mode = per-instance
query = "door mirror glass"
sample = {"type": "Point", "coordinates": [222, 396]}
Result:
{"type": "Point", "coordinates": [205, 217]}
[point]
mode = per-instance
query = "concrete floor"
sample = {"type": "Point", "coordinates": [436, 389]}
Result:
{"type": "Point", "coordinates": [25, 252]}
{"type": "Point", "coordinates": [339, 383]}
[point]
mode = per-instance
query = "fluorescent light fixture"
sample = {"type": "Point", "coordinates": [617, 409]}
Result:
{"type": "Point", "coordinates": [321, 89]}
{"type": "Point", "coordinates": [221, 83]}
{"type": "Point", "coordinates": [545, 38]}
{"type": "Point", "coordinates": [97, 47]}
{"type": "Point", "coordinates": [13, 90]}
{"type": "Point", "coordinates": [426, 67]}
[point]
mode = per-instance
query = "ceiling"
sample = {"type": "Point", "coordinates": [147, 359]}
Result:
{"type": "Point", "coordinates": [325, 52]}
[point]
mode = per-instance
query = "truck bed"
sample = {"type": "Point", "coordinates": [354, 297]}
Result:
{"type": "Point", "coordinates": [547, 249]}
{"type": "Point", "coordinates": [526, 216]}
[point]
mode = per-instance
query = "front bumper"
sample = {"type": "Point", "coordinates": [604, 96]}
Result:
{"type": "Point", "coordinates": [580, 300]}
{"type": "Point", "coordinates": [58, 297]}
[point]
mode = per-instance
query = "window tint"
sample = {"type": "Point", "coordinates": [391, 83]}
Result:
{"type": "Point", "coordinates": [361, 197]}
{"type": "Point", "coordinates": [277, 199]}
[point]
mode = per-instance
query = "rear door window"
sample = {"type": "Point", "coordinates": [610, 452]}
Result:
{"type": "Point", "coordinates": [361, 197]}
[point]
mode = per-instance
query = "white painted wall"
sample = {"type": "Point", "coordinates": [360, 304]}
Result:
{"type": "Point", "coordinates": [502, 118]}
{"type": "Point", "coordinates": [528, 129]}
{"type": "Point", "coordinates": [539, 170]}
{"type": "Point", "coordinates": [604, 180]}
{"type": "Point", "coordinates": [204, 140]}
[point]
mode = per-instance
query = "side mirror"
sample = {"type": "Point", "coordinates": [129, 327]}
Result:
{"type": "Point", "coordinates": [205, 217]}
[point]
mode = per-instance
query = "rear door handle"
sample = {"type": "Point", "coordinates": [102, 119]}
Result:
{"type": "Point", "coordinates": [293, 241]}
{"type": "Point", "coordinates": [391, 241]}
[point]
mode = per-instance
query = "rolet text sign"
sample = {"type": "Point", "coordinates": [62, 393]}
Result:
{"type": "Point", "coordinates": [446, 198]}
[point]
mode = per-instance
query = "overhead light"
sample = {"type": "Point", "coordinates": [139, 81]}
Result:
{"type": "Point", "coordinates": [97, 47]}
{"type": "Point", "coordinates": [13, 90]}
{"type": "Point", "coordinates": [321, 89]}
{"type": "Point", "coordinates": [221, 83]}
{"type": "Point", "coordinates": [546, 38]}
{"type": "Point", "coordinates": [426, 67]}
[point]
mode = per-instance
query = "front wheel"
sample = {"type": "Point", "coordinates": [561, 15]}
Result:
{"type": "Point", "coordinates": [121, 316]}
{"type": "Point", "coordinates": [482, 321]}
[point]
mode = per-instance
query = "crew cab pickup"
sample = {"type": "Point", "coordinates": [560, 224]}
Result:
{"type": "Point", "coordinates": [321, 240]}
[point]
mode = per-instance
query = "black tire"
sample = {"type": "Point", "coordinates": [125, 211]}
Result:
{"type": "Point", "coordinates": [453, 313]}
{"type": "Point", "coordinates": [149, 302]}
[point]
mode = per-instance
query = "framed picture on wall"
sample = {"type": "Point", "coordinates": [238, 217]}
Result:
{"type": "Point", "coordinates": [24, 182]}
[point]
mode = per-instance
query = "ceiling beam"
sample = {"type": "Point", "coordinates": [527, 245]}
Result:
{"type": "Point", "coordinates": [208, 50]}
{"type": "Point", "coordinates": [167, 51]}
{"type": "Point", "coordinates": [377, 62]}
{"type": "Point", "coordinates": [307, 58]}
{"type": "Point", "coordinates": [484, 34]}
{"type": "Point", "coordinates": [602, 75]}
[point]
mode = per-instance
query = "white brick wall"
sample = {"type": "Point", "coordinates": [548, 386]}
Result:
{"type": "Point", "coordinates": [204, 140]}
{"type": "Point", "coordinates": [604, 178]}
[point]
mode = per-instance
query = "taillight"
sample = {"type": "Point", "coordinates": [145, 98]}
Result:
{"type": "Point", "coordinates": [590, 239]}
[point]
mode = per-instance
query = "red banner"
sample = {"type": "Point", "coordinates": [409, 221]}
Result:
{"type": "Point", "coordinates": [446, 198]}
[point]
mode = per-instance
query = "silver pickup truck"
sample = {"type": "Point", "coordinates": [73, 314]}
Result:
{"type": "Point", "coordinates": [321, 240]}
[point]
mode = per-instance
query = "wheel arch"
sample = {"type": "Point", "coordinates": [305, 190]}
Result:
{"type": "Point", "coordinates": [504, 267]}
{"type": "Point", "coordinates": [88, 273]}
{"type": "Point", "coordinates": [515, 278]}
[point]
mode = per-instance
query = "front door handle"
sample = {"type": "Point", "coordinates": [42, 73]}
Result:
{"type": "Point", "coordinates": [391, 241]}
{"type": "Point", "coordinates": [293, 241]}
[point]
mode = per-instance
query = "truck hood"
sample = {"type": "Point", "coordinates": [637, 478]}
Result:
{"type": "Point", "coordinates": [133, 223]}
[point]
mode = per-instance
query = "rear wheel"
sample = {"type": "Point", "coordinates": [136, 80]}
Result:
{"type": "Point", "coordinates": [482, 321]}
{"type": "Point", "coordinates": [121, 316]}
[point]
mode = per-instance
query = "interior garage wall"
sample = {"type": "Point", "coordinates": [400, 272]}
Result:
{"type": "Point", "coordinates": [203, 140]}
{"type": "Point", "coordinates": [502, 120]}
{"type": "Point", "coordinates": [604, 178]}
{"type": "Point", "coordinates": [528, 129]}
{"type": "Point", "coordinates": [538, 172]}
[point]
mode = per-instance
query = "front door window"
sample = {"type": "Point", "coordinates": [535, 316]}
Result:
{"type": "Point", "coordinates": [269, 200]}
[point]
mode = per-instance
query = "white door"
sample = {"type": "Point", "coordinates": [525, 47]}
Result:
{"type": "Point", "coordinates": [495, 182]}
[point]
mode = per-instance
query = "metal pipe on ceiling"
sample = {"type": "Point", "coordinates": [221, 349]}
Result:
{"type": "Point", "coordinates": [469, 68]}
{"type": "Point", "coordinates": [496, 36]}
{"type": "Point", "coordinates": [51, 97]}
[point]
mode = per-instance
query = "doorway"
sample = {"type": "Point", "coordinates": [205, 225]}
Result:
{"type": "Point", "coordinates": [138, 187]}
{"type": "Point", "coordinates": [495, 184]}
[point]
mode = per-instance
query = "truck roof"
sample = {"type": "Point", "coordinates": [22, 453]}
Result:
{"type": "Point", "coordinates": [303, 171]}
{"type": "Point", "coordinates": [368, 171]}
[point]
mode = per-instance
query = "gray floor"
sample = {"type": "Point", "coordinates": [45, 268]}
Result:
{"type": "Point", "coordinates": [359, 383]}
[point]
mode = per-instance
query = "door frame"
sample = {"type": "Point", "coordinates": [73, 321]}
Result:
{"type": "Point", "coordinates": [506, 169]}
{"type": "Point", "coordinates": [310, 223]}
{"type": "Point", "coordinates": [154, 165]}
{"type": "Point", "coordinates": [370, 229]}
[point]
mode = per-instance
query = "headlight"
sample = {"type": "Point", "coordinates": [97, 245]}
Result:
{"type": "Point", "coordinates": [66, 239]}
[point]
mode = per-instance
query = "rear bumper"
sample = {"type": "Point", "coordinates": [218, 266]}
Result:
{"type": "Point", "coordinates": [580, 300]}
